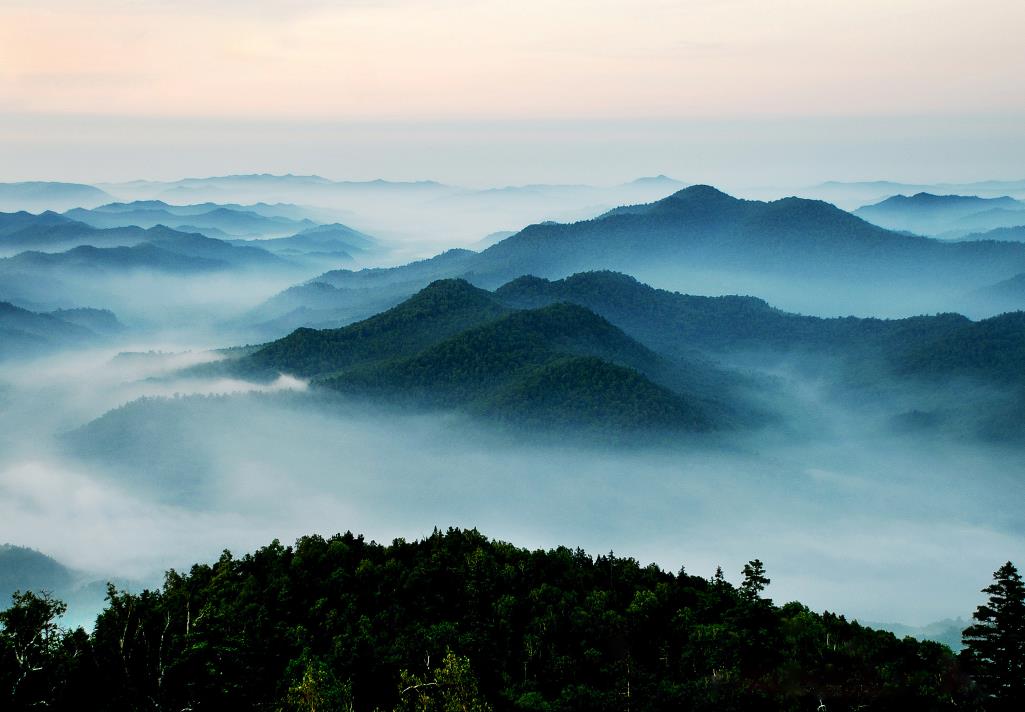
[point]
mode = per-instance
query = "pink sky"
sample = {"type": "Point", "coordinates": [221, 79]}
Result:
{"type": "Point", "coordinates": [122, 88]}
{"type": "Point", "coordinates": [525, 59]}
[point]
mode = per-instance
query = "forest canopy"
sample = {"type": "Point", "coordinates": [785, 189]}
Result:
{"type": "Point", "coordinates": [458, 621]}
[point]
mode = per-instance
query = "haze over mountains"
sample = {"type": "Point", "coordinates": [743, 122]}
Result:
{"type": "Point", "coordinates": [231, 355]}
{"type": "Point", "coordinates": [945, 215]}
{"type": "Point", "coordinates": [698, 240]}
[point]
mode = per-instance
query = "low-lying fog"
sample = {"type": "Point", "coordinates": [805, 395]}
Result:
{"type": "Point", "coordinates": [878, 527]}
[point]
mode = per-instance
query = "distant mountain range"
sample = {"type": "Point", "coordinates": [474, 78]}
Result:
{"type": "Point", "coordinates": [420, 210]}
{"type": "Point", "coordinates": [44, 236]}
{"type": "Point", "coordinates": [944, 215]}
{"type": "Point", "coordinates": [697, 236]}
{"type": "Point", "coordinates": [55, 261]}
{"type": "Point", "coordinates": [850, 195]}
{"type": "Point", "coordinates": [236, 221]}
{"type": "Point", "coordinates": [38, 196]}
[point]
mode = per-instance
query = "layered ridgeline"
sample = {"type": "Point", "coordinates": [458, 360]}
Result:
{"type": "Point", "coordinates": [27, 333]}
{"type": "Point", "coordinates": [258, 220]}
{"type": "Point", "coordinates": [455, 345]}
{"type": "Point", "coordinates": [49, 239]}
{"type": "Point", "coordinates": [701, 240]}
{"type": "Point", "coordinates": [49, 260]}
{"type": "Point", "coordinates": [308, 235]}
{"type": "Point", "coordinates": [460, 622]}
{"type": "Point", "coordinates": [944, 215]}
{"type": "Point", "coordinates": [420, 210]}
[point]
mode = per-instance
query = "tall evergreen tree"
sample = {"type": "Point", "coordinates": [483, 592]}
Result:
{"type": "Point", "coordinates": [995, 643]}
{"type": "Point", "coordinates": [755, 579]}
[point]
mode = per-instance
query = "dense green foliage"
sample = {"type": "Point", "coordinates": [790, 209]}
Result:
{"type": "Point", "coordinates": [454, 345]}
{"type": "Point", "coordinates": [561, 364]}
{"type": "Point", "coordinates": [440, 310]}
{"type": "Point", "coordinates": [460, 622]}
{"type": "Point", "coordinates": [945, 370]}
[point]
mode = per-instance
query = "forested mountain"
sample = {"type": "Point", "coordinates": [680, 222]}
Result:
{"type": "Point", "coordinates": [448, 345]}
{"type": "Point", "coordinates": [700, 235]}
{"type": "Point", "coordinates": [928, 214]}
{"type": "Point", "coordinates": [731, 326]}
{"type": "Point", "coordinates": [455, 345]}
{"type": "Point", "coordinates": [560, 364]}
{"type": "Point", "coordinates": [441, 310]}
{"type": "Point", "coordinates": [458, 621]}
{"type": "Point", "coordinates": [964, 373]}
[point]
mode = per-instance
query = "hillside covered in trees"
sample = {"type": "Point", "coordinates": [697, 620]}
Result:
{"type": "Point", "coordinates": [460, 622]}
{"type": "Point", "coordinates": [454, 345]}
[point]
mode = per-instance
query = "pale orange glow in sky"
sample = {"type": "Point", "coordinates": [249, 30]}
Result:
{"type": "Point", "coordinates": [445, 59]}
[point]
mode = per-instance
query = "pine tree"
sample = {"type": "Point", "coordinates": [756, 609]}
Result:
{"type": "Point", "coordinates": [755, 580]}
{"type": "Point", "coordinates": [995, 643]}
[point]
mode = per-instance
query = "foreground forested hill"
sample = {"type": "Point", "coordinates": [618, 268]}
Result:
{"type": "Point", "coordinates": [460, 622]}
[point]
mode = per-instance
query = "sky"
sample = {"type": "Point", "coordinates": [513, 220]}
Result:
{"type": "Point", "coordinates": [490, 92]}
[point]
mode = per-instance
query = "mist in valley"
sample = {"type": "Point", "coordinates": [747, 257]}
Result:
{"type": "Point", "coordinates": [119, 467]}
{"type": "Point", "coordinates": [885, 498]}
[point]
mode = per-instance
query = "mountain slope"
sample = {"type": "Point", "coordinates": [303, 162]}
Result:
{"type": "Point", "coordinates": [560, 365]}
{"type": "Point", "coordinates": [456, 346]}
{"type": "Point", "coordinates": [727, 327]}
{"type": "Point", "coordinates": [442, 309]}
